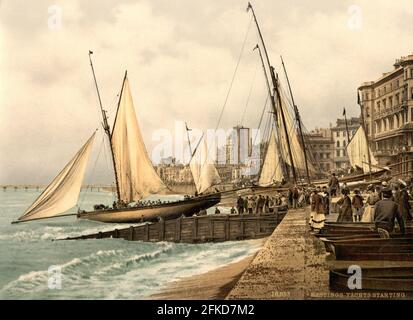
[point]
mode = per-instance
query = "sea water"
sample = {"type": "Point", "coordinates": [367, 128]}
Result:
{"type": "Point", "coordinates": [30, 256]}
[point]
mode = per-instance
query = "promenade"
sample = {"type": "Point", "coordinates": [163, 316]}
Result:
{"type": "Point", "coordinates": [293, 264]}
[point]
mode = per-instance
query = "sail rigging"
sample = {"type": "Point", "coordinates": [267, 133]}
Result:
{"type": "Point", "coordinates": [271, 171]}
{"type": "Point", "coordinates": [203, 168]}
{"type": "Point", "coordinates": [63, 192]}
{"type": "Point", "coordinates": [358, 152]}
{"type": "Point", "coordinates": [296, 148]}
{"type": "Point", "coordinates": [136, 175]}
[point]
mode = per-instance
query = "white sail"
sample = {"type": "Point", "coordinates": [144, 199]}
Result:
{"type": "Point", "coordinates": [271, 170]}
{"type": "Point", "coordinates": [136, 176]}
{"type": "Point", "coordinates": [203, 169]}
{"type": "Point", "coordinates": [63, 192]}
{"type": "Point", "coordinates": [358, 151]}
{"type": "Point", "coordinates": [296, 147]}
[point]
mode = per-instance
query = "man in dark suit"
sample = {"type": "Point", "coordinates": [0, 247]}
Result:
{"type": "Point", "coordinates": [386, 212]}
{"type": "Point", "coordinates": [333, 185]}
{"type": "Point", "coordinates": [404, 204]}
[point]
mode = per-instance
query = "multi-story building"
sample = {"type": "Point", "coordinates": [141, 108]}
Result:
{"type": "Point", "coordinates": [321, 144]}
{"type": "Point", "coordinates": [174, 174]}
{"type": "Point", "coordinates": [238, 145]}
{"type": "Point", "coordinates": [341, 138]}
{"type": "Point", "coordinates": [387, 106]}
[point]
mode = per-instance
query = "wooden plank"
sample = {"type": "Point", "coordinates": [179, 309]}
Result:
{"type": "Point", "coordinates": [178, 229]}
{"type": "Point", "coordinates": [130, 238]}
{"type": "Point", "coordinates": [146, 232]}
{"type": "Point", "coordinates": [161, 228]}
{"type": "Point", "coordinates": [227, 228]}
{"type": "Point", "coordinates": [194, 228]}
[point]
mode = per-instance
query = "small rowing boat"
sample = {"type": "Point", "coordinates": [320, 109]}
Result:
{"type": "Point", "coordinates": [399, 249]}
{"type": "Point", "coordinates": [375, 279]}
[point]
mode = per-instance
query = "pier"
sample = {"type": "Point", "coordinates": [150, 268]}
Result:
{"type": "Point", "coordinates": [27, 187]}
{"type": "Point", "coordinates": [294, 265]}
{"type": "Point", "coordinates": [198, 229]}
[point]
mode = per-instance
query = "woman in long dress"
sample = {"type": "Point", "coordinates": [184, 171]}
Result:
{"type": "Point", "coordinates": [372, 199]}
{"type": "Point", "coordinates": [319, 217]}
{"type": "Point", "coordinates": [346, 212]}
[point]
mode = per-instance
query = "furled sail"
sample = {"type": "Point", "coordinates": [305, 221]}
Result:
{"type": "Point", "coordinates": [271, 170]}
{"type": "Point", "coordinates": [63, 192]}
{"type": "Point", "coordinates": [296, 147]}
{"type": "Point", "coordinates": [358, 151]}
{"type": "Point", "coordinates": [136, 176]}
{"type": "Point", "coordinates": [203, 169]}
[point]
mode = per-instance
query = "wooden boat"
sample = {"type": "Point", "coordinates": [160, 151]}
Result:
{"type": "Point", "coordinates": [358, 237]}
{"type": "Point", "coordinates": [350, 230]}
{"type": "Point", "coordinates": [397, 279]}
{"type": "Point", "coordinates": [151, 213]}
{"type": "Point", "coordinates": [372, 249]}
{"type": "Point", "coordinates": [134, 175]}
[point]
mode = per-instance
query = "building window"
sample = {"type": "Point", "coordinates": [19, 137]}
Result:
{"type": "Point", "coordinates": [338, 142]}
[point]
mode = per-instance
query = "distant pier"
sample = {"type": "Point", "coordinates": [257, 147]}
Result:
{"type": "Point", "coordinates": [27, 187]}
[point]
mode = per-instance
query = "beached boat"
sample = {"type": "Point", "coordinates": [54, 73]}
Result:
{"type": "Point", "coordinates": [134, 174]}
{"type": "Point", "coordinates": [358, 237]}
{"type": "Point", "coordinates": [372, 249]}
{"type": "Point", "coordinates": [397, 279]}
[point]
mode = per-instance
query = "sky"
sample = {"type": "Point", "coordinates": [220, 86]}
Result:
{"type": "Point", "coordinates": [180, 56]}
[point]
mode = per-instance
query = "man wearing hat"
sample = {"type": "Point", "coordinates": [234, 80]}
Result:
{"type": "Point", "coordinates": [345, 212]}
{"type": "Point", "coordinates": [333, 185]}
{"type": "Point", "coordinates": [386, 213]}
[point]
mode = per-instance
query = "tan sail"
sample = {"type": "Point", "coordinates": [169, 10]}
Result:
{"type": "Point", "coordinates": [296, 147]}
{"type": "Point", "coordinates": [136, 176]}
{"type": "Point", "coordinates": [203, 169]}
{"type": "Point", "coordinates": [63, 192]}
{"type": "Point", "coordinates": [358, 151]}
{"type": "Point", "coordinates": [271, 170]}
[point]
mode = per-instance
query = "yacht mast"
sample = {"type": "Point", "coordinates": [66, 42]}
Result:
{"type": "Point", "coordinates": [105, 125]}
{"type": "Point", "coordinates": [298, 118]}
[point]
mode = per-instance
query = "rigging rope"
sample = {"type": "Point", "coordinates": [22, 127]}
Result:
{"type": "Point", "coordinates": [234, 75]}
{"type": "Point", "coordinates": [249, 96]}
{"type": "Point", "coordinates": [83, 195]}
{"type": "Point", "coordinates": [262, 116]}
{"type": "Point", "coordinates": [230, 86]}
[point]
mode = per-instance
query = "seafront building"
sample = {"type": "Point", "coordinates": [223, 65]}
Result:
{"type": "Point", "coordinates": [341, 138]}
{"type": "Point", "coordinates": [387, 106]}
{"type": "Point", "coordinates": [322, 148]}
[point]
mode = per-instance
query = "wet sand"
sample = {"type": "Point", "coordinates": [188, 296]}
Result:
{"type": "Point", "coordinates": [213, 285]}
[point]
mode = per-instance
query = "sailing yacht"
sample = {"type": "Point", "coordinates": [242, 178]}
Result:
{"type": "Point", "coordinates": [134, 173]}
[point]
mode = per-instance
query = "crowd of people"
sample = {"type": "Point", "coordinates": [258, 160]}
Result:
{"type": "Point", "coordinates": [259, 204]}
{"type": "Point", "coordinates": [380, 204]}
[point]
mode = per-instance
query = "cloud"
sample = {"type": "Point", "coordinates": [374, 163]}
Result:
{"type": "Point", "coordinates": [180, 57]}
